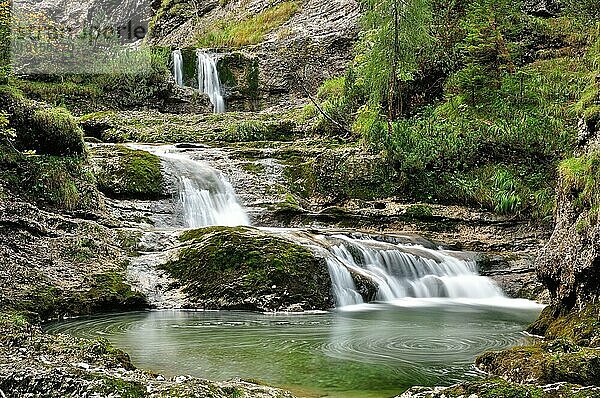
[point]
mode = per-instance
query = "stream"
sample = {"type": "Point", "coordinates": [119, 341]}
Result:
{"type": "Point", "coordinates": [431, 316]}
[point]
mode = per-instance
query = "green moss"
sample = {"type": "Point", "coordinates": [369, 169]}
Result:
{"type": "Point", "coordinates": [122, 172]}
{"type": "Point", "coordinates": [419, 211]}
{"type": "Point", "coordinates": [580, 326]}
{"type": "Point", "coordinates": [240, 33]}
{"type": "Point", "coordinates": [245, 268]}
{"type": "Point", "coordinates": [106, 292]}
{"type": "Point", "coordinates": [495, 388]}
{"type": "Point", "coordinates": [259, 130]}
{"type": "Point", "coordinates": [125, 389]}
{"type": "Point", "coordinates": [580, 178]}
{"type": "Point", "coordinates": [550, 362]}
{"type": "Point", "coordinates": [46, 130]}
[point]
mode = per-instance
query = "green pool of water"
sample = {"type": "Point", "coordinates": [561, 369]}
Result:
{"type": "Point", "coordinates": [376, 350]}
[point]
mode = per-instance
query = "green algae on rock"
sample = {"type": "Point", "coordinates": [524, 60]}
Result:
{"type": "Point", "coordinates": [245, 268]}
{"type": "Point", "coordinates": [127, 173]}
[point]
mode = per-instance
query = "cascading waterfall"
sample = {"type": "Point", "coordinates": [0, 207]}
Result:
{"type": "Point", "coordinates": [206, 198]}
{"type": "Point", "coordinates": [178, 67]}
{"type": "Point", "coordinates": [208, 79]}
{"type": "Point", "coordinates": [401, 271]}
{"type": "Point", "coordinates": [398, 270]}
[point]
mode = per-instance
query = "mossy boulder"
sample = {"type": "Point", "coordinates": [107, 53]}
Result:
{"type": "Point", "coordinates": [104, 292]}
{"type": "Point", "coordinates": [126, 173]}
{"type": "Point", "coordinates": [548, 362]}
{"type": "Point", "coordinates": [39, 127]}
{"type": "Point", "coordinates": [579, 326]}
{"type": "Point", "coordinates": [496, 388]}
{"type": "Point", "coordinates": [246, 268]}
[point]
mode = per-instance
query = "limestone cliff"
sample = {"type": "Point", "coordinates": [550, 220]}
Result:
{"type": "Point", "coordinates": [314, 40]}
{"type": "Point", "coordinates": [569, 264]}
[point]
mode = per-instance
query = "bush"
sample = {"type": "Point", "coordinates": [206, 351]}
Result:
{"type": "Point", "coordinates": [57, 182]}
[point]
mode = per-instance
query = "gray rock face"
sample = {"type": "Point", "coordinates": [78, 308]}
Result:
{"type": "Point", "coordinates": [569, 265]}
{"type": "Point", "coordinates": [313, 45]}
{"type": "Point", "coordinates": [77, 15]}
{"type": "Point", "coordinates": [542, 8]}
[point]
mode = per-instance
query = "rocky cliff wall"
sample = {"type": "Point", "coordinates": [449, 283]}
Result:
{"type": "Point", "coordinates": [315, 43]}
{"type": "Point", "coordinates": [569, 265]}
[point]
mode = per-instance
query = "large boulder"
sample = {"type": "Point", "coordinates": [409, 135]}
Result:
{"type": "Point", "coordinates": [249, 269]}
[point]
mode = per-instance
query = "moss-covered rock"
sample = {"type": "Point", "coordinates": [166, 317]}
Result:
{"type": "Point", "coordinates": [104, 292]}
{"type": "Point", "coordinates": [128, 173]}
{"type": "Point", "coordinates": [543, 363]}
{"type": "Point", "coordinates": [579, 326]}
{"type": "Point", "coordinates": [157, 127]}
{"type": "Point", "coordinates": [245, 268]}
{"type": "Point", "coordinates": [496, 388]}
{"type": "Point", "coordinates": [39, 127]}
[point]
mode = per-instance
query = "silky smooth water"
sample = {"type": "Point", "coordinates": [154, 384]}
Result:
{"type": "Point", "coordinates": [208, 79]}
{"type": "Point", "coordinates": [373, 350]}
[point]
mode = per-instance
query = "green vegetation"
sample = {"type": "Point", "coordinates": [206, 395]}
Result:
{"type": "Point", "coordinates": [544, 363]}
{"type": "Point", "coordinates": [154, 127]}
{"type": "Point", "coordinates": [123, 172]}
{"type": "Point", "coordinates": [419, 211]}
{"type": "Point", "coordinates": [46, 130]}
{"type": "Point", "coordinates": [244, 268]}
{"type": "Point", "coordinates": [139, 82]}
{"type": "Point", "coordinates": [494, 388]}
{"type": "Point", "coordinates": [53, 181]}
{"type": "Point", "coordinates": [580, 178]}
{"type": "Point", "coordinates": [259, 130]}
{"type": "Point", "coordinates": [471, 103]}
{"type": "Point", "coordinates": [239, 33]}
{"type": "Point", "coordinates": [582, 327]}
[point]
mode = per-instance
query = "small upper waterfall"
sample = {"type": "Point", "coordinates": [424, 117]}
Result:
{"type": "Point", "coordinates": [400, 271]}
{"type": "Point", "coordinates": [178, 67]}
{"type": "Point", "coordinates": [208, 79]}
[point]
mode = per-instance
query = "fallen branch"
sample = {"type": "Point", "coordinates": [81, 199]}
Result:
{"type": "Point", "coordinates": [343, 128]}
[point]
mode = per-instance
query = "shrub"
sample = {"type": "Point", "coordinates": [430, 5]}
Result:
{"type": "Point", "coordinates": [52, 181]}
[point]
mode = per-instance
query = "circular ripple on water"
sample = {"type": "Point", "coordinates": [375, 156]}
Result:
{"type": "Point", "coordinates": [379, 348]}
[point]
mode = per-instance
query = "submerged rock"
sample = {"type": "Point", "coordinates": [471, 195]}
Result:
{"type": "Point", "coordinates": [245, 268]}
{"type": "Point", "coordinates": [36, 364]}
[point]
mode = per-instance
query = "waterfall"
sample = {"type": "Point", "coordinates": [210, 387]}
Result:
{"type": "Point", "coordinates": [401, 271]}
{"type": "Point", "coordinates": [205, 196]}
{"type": "Point", "coordinates": [208, 79]}
{"type": "Point", "coordinates": [178, 67]}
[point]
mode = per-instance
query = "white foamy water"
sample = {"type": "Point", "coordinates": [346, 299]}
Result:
{"type": "Point", "coordinates": [205, 196]}
{"type": "Point", "coordinates": [403, 271]}
{"type": "Point", "coordinates": [178, 67]}
{"type": "Point", "coordinates": [208, 79]}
